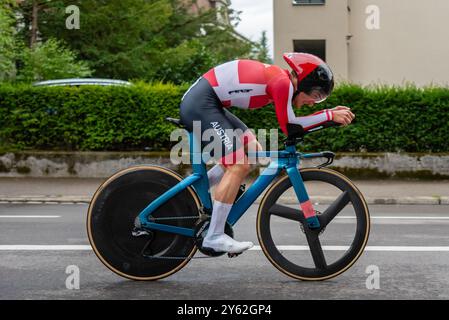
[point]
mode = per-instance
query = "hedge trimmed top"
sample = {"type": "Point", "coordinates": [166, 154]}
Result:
{"type": "Point", "coordinates": [132, 118]}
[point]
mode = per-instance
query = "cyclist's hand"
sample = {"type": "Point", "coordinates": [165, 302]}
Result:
{"type": "Point", "coordinates": [341, 108]}
{"type": "Point", "coordinates": [343, 115]}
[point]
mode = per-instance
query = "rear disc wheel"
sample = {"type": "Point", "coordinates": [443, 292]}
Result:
{"type": "Point", "coordinates": [110, 222]}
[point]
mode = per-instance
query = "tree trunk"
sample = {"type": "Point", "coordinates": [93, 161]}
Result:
{"type": "Point", "coordinates": [34, 19]}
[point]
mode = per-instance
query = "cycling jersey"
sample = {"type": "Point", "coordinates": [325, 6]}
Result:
{"type": "Point", "coordinates": [201, 103]}
{"type": "Point", "coordinates": [252, 84]}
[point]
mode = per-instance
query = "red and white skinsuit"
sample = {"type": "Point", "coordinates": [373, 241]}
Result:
{"type": "Point", "coordinates": [251, 84]}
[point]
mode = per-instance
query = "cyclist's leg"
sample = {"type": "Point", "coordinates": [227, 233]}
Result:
{"type": "Point", "coordinates": [225, 194]}
{"type": "Point", "coordinates": [237, 168]}
{"type": "Point", "coordinates": [215, 174]}
{"type": "Point", "coordinates": [227, 189]}
{"type": "Point", "coordinates": [200, 103]}
{"type": "Point", "coordinates": [236, 162]}
{"type": "Point", "coordinates": [248, 139]}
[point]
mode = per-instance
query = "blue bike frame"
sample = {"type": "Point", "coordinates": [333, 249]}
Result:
{"type": "Point", "coordinates": [287, 159]}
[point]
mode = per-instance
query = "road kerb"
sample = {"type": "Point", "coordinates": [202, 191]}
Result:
{"type": "Point", "coordinates": [35, 199]}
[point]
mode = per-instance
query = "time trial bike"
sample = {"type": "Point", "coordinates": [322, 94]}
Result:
{"type": "Point", "coordinates": [147, 222]}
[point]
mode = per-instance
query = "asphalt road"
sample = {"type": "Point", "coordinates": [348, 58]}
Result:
{"type": "Point", "coordinates": [408, 244]}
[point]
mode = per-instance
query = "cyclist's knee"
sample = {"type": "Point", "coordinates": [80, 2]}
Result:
{"type": "Point", "coordinates": [253, 146]}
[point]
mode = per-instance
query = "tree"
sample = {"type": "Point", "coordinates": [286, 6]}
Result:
{"type": "Point", "coordinates": [29, 12]}
{"type": "Point", "coordinates": [50, 60]}
{"type": "Point", "coordinates": [262, 52]}
{"type": "Point", "coordinates": [7, 42]}
{"type": "Point", "coordinates": [146, 39]}
{"type": "Point", "coordinates": [41, 60]}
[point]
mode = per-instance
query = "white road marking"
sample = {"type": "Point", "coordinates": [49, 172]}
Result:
{"type": "Point", "coordinates": [338, 217]}
{"type": "Point", "coordinates": [44, 247]}
{"type": "Point", "coordinates": [368, 248]}
{"type": "Point", "coordinates": [399, 217]}
{"type": "Point", "coordinates": [30, 217]}
{"type": "Point", "coordinates": [255, 248]}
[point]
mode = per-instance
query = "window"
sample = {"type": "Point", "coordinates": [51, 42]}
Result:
{"type": "Point", "coordinates": [305, 2]}
{"type": "Point", "coordinates": [316, 47]}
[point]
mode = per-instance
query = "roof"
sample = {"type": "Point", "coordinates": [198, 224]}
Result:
{"type": "Point", "coordinates": [82, 82]}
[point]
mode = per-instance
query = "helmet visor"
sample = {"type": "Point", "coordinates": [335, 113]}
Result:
{"type": "Point", "coordinates": [318, 84]}
{"type": "Point", "coordinates": [318, 94]}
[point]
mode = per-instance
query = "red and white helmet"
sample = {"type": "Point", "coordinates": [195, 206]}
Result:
{"type": "Point", "coordinates": [314, 75]}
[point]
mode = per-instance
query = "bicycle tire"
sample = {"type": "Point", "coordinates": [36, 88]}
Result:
{"type": "Point", "coordinates": [275, 255]}
{"type": "Point", "coordinates": [110, 221]}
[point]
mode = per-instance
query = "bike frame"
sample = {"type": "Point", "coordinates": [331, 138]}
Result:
{"type": "Point", "coordinates": [288, 160]}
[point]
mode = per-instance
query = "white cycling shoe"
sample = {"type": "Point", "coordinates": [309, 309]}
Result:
{"type": "Point", "coordinates": [224, 243]}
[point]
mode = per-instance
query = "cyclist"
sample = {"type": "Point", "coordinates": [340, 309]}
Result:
{"type": "Point", "coordinates": [251, 84]}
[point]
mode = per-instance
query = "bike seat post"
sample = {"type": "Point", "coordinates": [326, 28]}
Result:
{"type": "Point", "coordinates": [199, 168]}
{"type": "Point", "coordinates": [195, 151]}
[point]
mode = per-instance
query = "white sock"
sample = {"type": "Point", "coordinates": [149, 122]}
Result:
{"type": "Point", "coordinates": [215, 174]}
{"type": "Point", "coordinates": [220, 213]}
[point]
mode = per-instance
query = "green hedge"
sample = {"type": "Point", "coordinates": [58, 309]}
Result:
{"type": "Point", "coordinates": [132, 118]}
{"type": "Point", "coordinates": [88, 118]}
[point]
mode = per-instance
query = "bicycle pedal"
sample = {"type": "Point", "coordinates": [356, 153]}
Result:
{"type": "Point", "coordinates": [233, 255]}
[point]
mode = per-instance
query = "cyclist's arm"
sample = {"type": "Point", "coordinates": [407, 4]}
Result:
{"type": "Point", "coordinates": [282, 93]}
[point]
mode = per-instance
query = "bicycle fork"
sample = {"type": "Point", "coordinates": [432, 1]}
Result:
{"type": "Point", "coordinates": [303, 197]}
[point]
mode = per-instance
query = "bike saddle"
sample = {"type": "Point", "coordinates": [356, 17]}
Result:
{"type": "Point", "coordinates": [176, 122]}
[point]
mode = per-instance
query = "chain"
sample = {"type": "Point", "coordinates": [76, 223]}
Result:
{"type": "Point", "coordinates": [174, 218]}
{"type": "Point", "coordinates": [176, 258]}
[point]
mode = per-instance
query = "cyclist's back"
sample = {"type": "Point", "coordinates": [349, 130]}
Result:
{"type": "Point", "coordinates": [245, 83]}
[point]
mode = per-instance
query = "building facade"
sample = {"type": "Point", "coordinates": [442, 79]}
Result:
{"type": "Point", "coordinates": [369, 41]}
{"type": "Point", "coordinates": [220, 5]}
